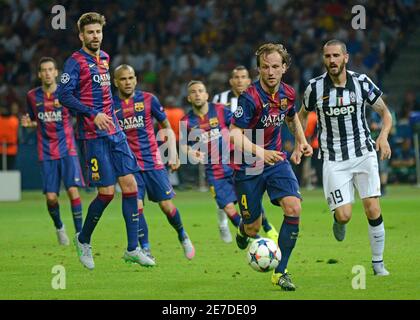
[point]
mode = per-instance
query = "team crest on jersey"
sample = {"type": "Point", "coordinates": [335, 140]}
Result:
{"type": "Point", "coordinates": [139, 106]}
{"type": "Point", "coordinates": [214, 122]}
{"type": "Point", "coordinates": [105, 63]}
{"type": "Point", "coordinates": [56, 103]}
{"type": "Point", "coordinates": [352, 97]}
{"type": "Point", "coordinates": [95, 176]}
{"type": "Point", "coordinates": [283, 104]}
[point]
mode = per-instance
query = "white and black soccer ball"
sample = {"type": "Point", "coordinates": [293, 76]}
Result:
{"type": "Point", "coordinates": [263, 255]}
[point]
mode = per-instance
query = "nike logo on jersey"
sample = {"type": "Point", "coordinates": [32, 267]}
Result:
{"type": "Point", "coordinates": [91, 65]}
{"type": "Point", "coordinates": [168, 192]}
{"type": "Point", "coordinates": [265, 105]}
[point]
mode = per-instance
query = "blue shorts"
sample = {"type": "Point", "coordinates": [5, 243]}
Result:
{"type": "Point", "coordinates": [279, 181]}
{"type": "Point", "coordinates": [223, 191]}
{"type": "Point", "coordinates": [156, 183]}
{"type": "Point", "coordinates": [66, 169]}
{"type": "Point", "coordinates": [108, 158]}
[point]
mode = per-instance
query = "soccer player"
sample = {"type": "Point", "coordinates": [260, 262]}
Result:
{"type": "Point", "coordinates": [86, 89]}
{"type": "Point", "coordinates": [135, 110]}
{"type": "Point", "coordinates": [339, 97]}
{"type": "Point", "coordinates": [56, 146]}
{"type": "Point", "coordinates": [256, 130]}
{"type": "Point", "coordinates": [239, 82]}
{"type": "Point", "coordinates": [208, 125]}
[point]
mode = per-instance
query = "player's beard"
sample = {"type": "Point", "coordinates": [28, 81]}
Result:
{"type": "Point", "coordinates": [339, 70]}
{"type": "Point", "coordinates": [93, 47]}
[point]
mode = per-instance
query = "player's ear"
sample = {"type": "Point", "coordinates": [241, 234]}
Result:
{"type": "Point", "coordinates": [81, 36]}
{"type": "Point", "coordinates": [189, 99]}
{"type": "Point", "coordinates": [115, 82]}
{"type": "Point", "coordinates": [346, 58]}
{"type": "Point", "coordinates": [231, 82]}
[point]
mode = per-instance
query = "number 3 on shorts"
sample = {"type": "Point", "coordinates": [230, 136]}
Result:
{"type": "Point", "coordinates": [94, 163]}
{"type": "Point", "coordinates": [244, 202]}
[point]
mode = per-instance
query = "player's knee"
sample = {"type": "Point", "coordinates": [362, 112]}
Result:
{"type": "Point", "coordinates": [128, 184]}
{"type": "Point", "coordinates": [52, 199]}
{"type": "Point", "coordinates": [343, 217]}
{"type": "Point", "coordinates": [372, 210]}
{"type": "Point", "coordinates": [293, 209]}
{"type": "Point", "coordinates": [167, 207]}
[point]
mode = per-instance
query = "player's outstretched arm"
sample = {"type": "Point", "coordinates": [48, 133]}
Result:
{"type": "Point", "coordinates": [302, 147]}
{"type": "Point", "coordinates": [382, 144]}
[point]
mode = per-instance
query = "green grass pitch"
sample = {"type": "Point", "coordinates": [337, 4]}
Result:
{"type": "Point", "coordinates": [29, 251]}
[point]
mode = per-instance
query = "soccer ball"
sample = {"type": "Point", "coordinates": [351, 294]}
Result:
{"type": "Point", "coordinates": [263, 255]}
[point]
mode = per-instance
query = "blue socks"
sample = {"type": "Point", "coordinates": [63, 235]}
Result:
{"type": "Point", "coordinates": [76, 209]}
{"type": "Point", "coordinates": [174, 219]}
{"type": "Point", "coordinates": [143, 232]}
{"type": "Point", "coordinates": [131, 217]}
{"type": "Point", "coordinates": [235, 219]}
{"type": "Point", "coordinates": [287, 239]}
{"type": "Point", "coordinates": [54, 211]}
{"type": "Point", "coordinates": [95, 210]}
{"type": "Point", "coordinates": [266, 226]}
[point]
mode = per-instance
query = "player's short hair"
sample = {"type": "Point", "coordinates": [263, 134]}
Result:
{"type": "Point", "coordinates": [193, 82]}
{"type": "Point", "coordinates": [238, 68]}
{"type": "Point", "coordinates": [273, 47]}
{"type": "Point", "coordinates": [122, 67]}
{"type": "Point", "coordinates": [335, 42]}
{"type": "Point", "coordinates": [46, 59]}
{"type": "Point", "coordinates": [90, 18]}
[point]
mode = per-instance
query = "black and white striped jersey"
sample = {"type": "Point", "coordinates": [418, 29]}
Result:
{"type": "Point", "coordinates": [227, 98]}
{"type": "Point", "coordinates": [343, 132]}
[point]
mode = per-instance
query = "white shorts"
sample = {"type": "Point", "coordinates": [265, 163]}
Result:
{"type": "Point", "coordinates": [340, 178]}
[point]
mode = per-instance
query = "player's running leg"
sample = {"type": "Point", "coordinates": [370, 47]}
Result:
{"type": "Point", "coordinates": [131, 217]}
{"type": "Point", "coordinates": [95, 211]}
{"type": "Point", "coordinates": [76, 208]}
{"type": "Point", "coordinates": [376, 235]}
{"type": "Point", "coordinates": [230, 211]}
{"type": "Point", "coordinates": [222, 221]}
{"type": "Point", "coordinates": [289, 232]}
{"type": "Point", "coordinates": [174, 218]}
{"type": "Point", "coordinates": [54, 211]}
{"type": "Point", "coordinates": [342, 216]}
{"type": "Point", "coordinates": [143, 232]}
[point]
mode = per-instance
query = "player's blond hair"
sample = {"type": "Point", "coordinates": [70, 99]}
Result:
{"type": "Point", "coordinates": [268, 48]}
{"type": "Point", "coordinates": [90, 18]}
{"type": "Point", "coordinates": [193, 82]}
{"type": "Point", "coordinates": [122, 67]}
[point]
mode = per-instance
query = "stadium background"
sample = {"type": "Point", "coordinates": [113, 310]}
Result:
{"type": "Point", "coordinates": [171, 42]}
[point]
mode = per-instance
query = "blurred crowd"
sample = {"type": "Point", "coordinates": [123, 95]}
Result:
{"type": "Point", "coordinates": [170, 42]}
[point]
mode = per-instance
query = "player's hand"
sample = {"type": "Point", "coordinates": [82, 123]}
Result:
{"type": "Point", "coordinates": [271, 157]}
{"type": "Point", "coordinates": [382, 145]}
{"type": "Point", "coordinates": [103, 121]}
{"type": "Point", "coordinates": [26, 121]}
{"type": "Point", "coordinates": [300, 150]}
{"type": "Point", "coordinates": [174, 166]}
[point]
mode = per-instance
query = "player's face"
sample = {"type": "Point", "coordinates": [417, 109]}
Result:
{"type": "Point", "coordinates": [335, 59]}
{"type": "Point", "coordinates": [92, 36]}
{"type": "Point", "coordinates": [126, 81]}
{"type": "Point", "coordinates": [197, 95]}
{"type": "Point", "coordinates": [47, 73]}
{"type": "Point", "coordinates": [271, 69]}
{"type": "Point", "coordinates": [240, 81]}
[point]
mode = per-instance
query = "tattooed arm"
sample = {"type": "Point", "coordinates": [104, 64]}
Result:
{"type": "Point", "coordinates": [382, 144]}
{"type": "Point", "coordinates": [301, 145]}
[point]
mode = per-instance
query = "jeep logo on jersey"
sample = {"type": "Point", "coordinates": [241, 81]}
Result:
{"type": "Point", "coordinates": [214, 122]}
{"type": "Point", "coordinates": [50, 116]}
{"type": "Point", "coordinates": [340, 110]}
{"type": "Point", "coordinates": [102, 79]}
{"type": "Point", "coordinates": [139, 106]}
{"type": "Point", "coordinates": [272, 120]}
{"type": "Point", "coordinates": [131, 123]}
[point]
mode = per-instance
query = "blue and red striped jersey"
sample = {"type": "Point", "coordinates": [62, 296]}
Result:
{"type": "Point", "coordinates": [86, 89]}
{"type": "Point", "coordinates": [211, 133]}
{"type": "Point", "coordinates": [258, 110]}
{"type": "Point", "coordinates": [135, 116]}
{"type": "Point", "coordinates": [54, 125]}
